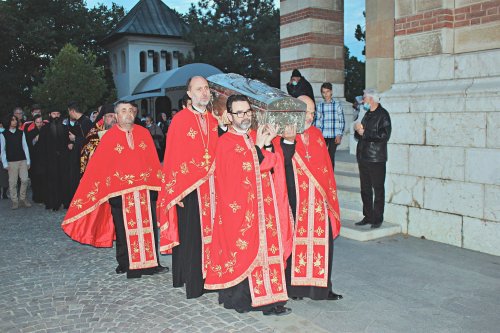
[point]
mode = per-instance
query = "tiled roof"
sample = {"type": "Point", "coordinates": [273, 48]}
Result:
{"type": "Point", "coordinates": [149, 18]}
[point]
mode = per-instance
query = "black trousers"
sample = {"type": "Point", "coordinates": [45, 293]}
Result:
{"type": "Point", "coordinates": [332, 148]}
{"type": "Point", "coordinates": [186, 257]}
{"type": "Point", "coordinates": [121, 236]}
{"type": "Point", "coordinates": [372, 179]}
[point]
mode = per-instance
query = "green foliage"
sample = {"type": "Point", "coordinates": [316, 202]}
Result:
{"type": "Point", "coordinates": [71, 76]}
{"type": "Point", "coordinates": [238, 36]}
{"type": "Point", "coordinates": [34, 31]}
{"type": "Point", "coordinates": [354, 76]}
{"type": "Point", "coordinates": [360, 34]}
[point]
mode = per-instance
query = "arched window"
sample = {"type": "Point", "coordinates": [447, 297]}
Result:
{"type": "Point", "coordinates": [168, 61]}
{"type": "Point", "coordinates": [115, 63]}
{"type": "Point", "coordinates": [181, 60]}
{"type": "Point", "coordinates": [156, 62]}
{"type": "Point", "coordinates": [143, 61]}
{"type": "Point", "coordinates": [124, 62]}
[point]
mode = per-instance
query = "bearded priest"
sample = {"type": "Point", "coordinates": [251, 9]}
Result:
{"type": "Point", "coordinates": [312, 194]}
{"type": "Point", "coordinates": [246, 258]}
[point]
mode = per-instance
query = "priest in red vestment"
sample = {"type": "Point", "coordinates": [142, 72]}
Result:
{"type": "Point", "coordinates": [246, 258]}
{"type": "Point", "coordinates": [116, 197]}
{"type": "Point", "coordinates": [186, 202]}
{"type": "Point", "coordinates": [312, 194]}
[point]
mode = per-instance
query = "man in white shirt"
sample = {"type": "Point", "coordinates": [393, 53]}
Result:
{"type": "Point", "coordinates": [16, 160]}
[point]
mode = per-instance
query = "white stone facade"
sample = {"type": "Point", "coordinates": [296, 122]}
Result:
{"type": "Point", "coordinates": [127, 75]}
{"type": "Point", "coordinates": [443, 180]}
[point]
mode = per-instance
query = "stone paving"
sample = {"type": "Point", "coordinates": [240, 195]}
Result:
{"type": "Point", "coordinates": [50, 283]}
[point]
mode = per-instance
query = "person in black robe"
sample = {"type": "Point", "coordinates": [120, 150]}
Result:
{"type": "Point", "coordinates": [79, 127]}
{"type": "Point", "coordinates": [53, 141]}
{"type": "Point", "coordinates": [298, 85]}
{"type": "Point", "coordinates": [35, 171]}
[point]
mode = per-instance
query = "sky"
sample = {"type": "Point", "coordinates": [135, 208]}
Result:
{"type": "Point", "coordinates": [353, 15]}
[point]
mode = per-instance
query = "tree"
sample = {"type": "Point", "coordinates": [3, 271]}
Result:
{"type": "Point", "coordinates": [71, 76]}
{"type": "Point", "coordinates": [238, 36]}
{"type": "Point", "coordinates": [360, 34]}
{"type": "Point", "coordinates": [354, 76]}
{"type": "Point", "coordinates": [34, 31]}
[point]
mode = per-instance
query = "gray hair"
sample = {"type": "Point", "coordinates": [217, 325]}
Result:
{"type": "Point", "coordinates": [373, 94]}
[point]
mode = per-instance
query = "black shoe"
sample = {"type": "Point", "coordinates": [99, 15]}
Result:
{"type": "Point", "coordinates": [120, 270]}
{"type": "Point", "coordinates": [242, 311]}
{"type": "Point", "coordinates": [278, 310]}
{"type": "Point", "coordinates": [362, 222]}
{"type": "Point", "coordinates": [161, 269]}
{"type": "Point", "coordinates": [376, 225]}
{"type": "Point", "coordinates": [297, 298]}
{"type": "Point", "coordinates": [333, 296]}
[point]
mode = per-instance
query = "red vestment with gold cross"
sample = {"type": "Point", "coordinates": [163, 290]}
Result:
{"type": "Point", "coordinates": [251, 227]}
{"type": "Point", "coordinates": [317, 206]}
{"type": "Point", "coordinates": [188, 166]}
{"type": "Point", "coordinates": [122, 165]}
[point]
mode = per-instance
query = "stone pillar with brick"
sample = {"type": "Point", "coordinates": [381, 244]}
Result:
{"type": "Point", "coordinates": [443, 178]}
{"type": "Point", "coordinates": [312, 40]}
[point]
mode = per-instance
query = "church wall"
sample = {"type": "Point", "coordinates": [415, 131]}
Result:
{"type": "Point", "coordinates": [443, 179]}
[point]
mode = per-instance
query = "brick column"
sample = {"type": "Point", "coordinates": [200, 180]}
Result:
{"type": "Point", "coordinates": [312, 40]}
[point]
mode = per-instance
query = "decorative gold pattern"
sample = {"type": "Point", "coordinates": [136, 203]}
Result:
{"type": "Point", "coordinates": [184, 168]}
{"type": "Point", "coordinates": [241, 244]}
{"type": "Point", "coordinates": [108, 181]}
{"type": "Point", "coordinates": [192, 133]}
{"type": "Point", "coordinates": [247, 166]}
{"type": "Point", "coordinates": [119, 148]}
{"type": "Point", "coordinates": [239, 149]}
{"type": "Point", "coordinates": [142, 145]}
{"type": "Point", "coordinates": [91, 196]}
{"type": "Point", "coordinates": [228, 266]}
{"type": "Point", "coordinates": [304, 186]}
{"type": "Point", "coordinates": [268, 200]}
{"type": "Point", "coordinates": [234, 207]}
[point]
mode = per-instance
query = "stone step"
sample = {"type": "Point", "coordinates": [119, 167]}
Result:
{"type": "Point", "coordinates": [365, 233]}
{"type": "Point", "coordinates": [348, 193]}
{"type": "Point", "coordinates": [349, 179]}
{"type": "Point", "coordinates": [350, 214]}
{"type": "Point", "coordinates": [346, 166]}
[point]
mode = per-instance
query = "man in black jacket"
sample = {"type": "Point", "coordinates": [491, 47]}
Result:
{"type": "Point", "coordinates": [299, 86]}
{"type": "Point", "coordinates": [372, 133]}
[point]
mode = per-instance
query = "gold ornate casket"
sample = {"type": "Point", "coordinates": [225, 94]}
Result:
{"type": "Point", "coordinates": [270, 105]}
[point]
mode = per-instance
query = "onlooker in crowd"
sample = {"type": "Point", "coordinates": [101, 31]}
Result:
{"type": "Point", "coordinates": [79, 128]}
{"type": "Point", "coordinates": [137, 120]}
{"type": "Point", "coordinates": [373, 133]}
{"type": "Point", "coordinates": [104, 121]}
{"type": "Point", "coordinates": [19, 113]}
{"type": "Point", "coordinates": [93, 115]}
{"type": "Point", "coordinates": [35, 172]}
{"type": "Point", "coordinates": [330, 120]}
{"type": "Point", "coordinates": [30, 125]}
{"type": "Point", "coordinates": [4, 175]}
{"type": "Point", "coordinates": [157, 134]}
{"type": "Point", "coordinates": [185, 102]}
{"type": "Point", "coordinates": [16, 160]}
{"type": "Point", "coordinates": [163, 122]}
{"type": "Point", "coordinates": [299, 86]}
{"type": "Point", "coordinates": [54, 143]}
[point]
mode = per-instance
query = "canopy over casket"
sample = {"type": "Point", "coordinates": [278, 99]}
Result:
{"type": "Point", "coordinates": [271, 105]}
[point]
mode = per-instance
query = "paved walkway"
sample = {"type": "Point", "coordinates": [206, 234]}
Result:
{"type": "Point", "coordinates": [48, 283]}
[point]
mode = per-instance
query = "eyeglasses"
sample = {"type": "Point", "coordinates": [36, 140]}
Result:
{"type": "Point", "coordinates": [243, 114]}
